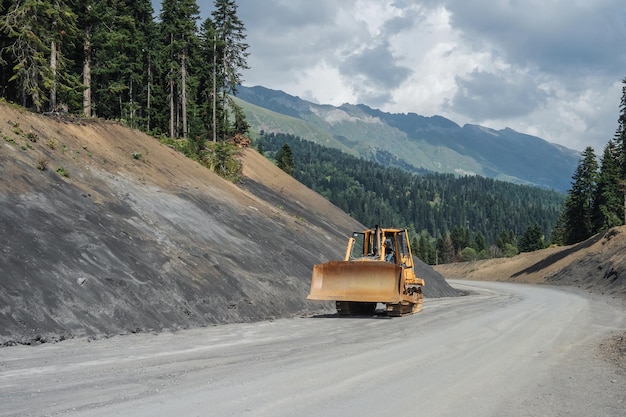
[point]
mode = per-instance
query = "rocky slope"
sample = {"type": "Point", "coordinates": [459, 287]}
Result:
{"type": "Point", "coordinates": [103, 231]}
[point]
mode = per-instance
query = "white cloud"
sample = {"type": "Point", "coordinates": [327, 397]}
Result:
{"type": "Point", "coordinates": [322, 80]}
{"type": "Point", "coordinates": [551, 69]}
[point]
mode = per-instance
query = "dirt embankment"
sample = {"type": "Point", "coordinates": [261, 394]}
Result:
{"type": "Point", "coordinates": [104, 231]}
{"type": "Point", "coordinates": [597, 265]}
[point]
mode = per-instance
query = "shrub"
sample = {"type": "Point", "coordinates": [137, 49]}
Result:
{"type": "Point", "coordinates": [219, 157]}
{"type": "Point", "coordinates": [62, 172]}
{"type": "Point", "coordinates": [32, 136]}
{"type": "Point", "coordinates": [42, 164]}
{"type": "Point", "coordinates": [469, 254]}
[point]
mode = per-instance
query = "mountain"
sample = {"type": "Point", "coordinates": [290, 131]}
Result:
{"type": "Point", "coordinates": [104, 230]}
{"type": "Point", "coordinates": [414, 142]}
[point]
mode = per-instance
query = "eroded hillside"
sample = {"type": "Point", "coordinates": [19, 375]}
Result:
{"type": "Point", "coordinates": [104, 230]}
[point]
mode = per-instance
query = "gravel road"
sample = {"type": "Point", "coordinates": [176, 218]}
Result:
{"type": "Point", "coordinates": [503, 350]}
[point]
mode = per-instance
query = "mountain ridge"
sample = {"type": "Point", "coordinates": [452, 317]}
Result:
{"type": "Point", "coordinates": [433, 143]}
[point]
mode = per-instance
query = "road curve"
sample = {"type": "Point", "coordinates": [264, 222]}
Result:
{"type": "Point", "coordinates": [503, 350]}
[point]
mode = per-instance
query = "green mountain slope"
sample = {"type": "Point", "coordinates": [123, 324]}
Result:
{"type": "Point", "coordinates": [412, 141]}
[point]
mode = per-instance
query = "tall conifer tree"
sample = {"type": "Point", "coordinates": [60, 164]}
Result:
{"type": "Point", "coordinates": [115, 56]}
{"type": "Point", "coordinates": [620, 138]}
{"type": "Point", "coordinates": [232, 52]}
{"type": "Point", "coordinates": [207, 83]}
{"type": "Point", "coordinates": [609, 201]}
{"type": "Point", "coordinates": [39, 34]}
{"type": "Point", "coordinates": [284, 159]}
{"type": "Point", "coordinates": [143, 50]}
{"type": "Point", "coordinates": [179, 36]}
{"type": "Point", "coordinates": [578, 207]}
{"type": "Point", "coordinates": [87, 24]}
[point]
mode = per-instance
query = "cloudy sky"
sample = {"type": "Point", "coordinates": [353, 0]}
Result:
{"type": "Point", "coordinates": [550, 68]}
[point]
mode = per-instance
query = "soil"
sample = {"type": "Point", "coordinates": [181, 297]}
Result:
{"type": "Point", "coordinates": [106, 231]}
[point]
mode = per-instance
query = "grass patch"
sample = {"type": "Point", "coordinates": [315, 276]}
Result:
{"type": "Point", "coordinates": [63, 172]}
{"type": "Point", "coordinates": [52, 144]}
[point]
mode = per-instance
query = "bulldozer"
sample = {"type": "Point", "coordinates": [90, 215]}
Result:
{"type": "Point", "coordinates": [377, 268]}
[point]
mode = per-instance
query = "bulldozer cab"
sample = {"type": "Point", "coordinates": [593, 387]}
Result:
{"type": "Point", "coordinates": [390, 245]}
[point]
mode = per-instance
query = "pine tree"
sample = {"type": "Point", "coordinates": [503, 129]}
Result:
{"type": "Point", "coordinates": [506, 239]}
{"type": "Point", "coordinates": [141, 67]}
{"type": "Point", "coordinates": [240, 125]}
{"type": "Point", "coordinates": [6, 59]}
{"type": "Point", "coordinates": [461, 238]}
{"type": "Point", "coordinates": [117, 60]}
{"type": "Point", "coordinates": [179, 37]}
{"type": "Point", "coordinates": [207, 82]}
{"type": "Point", "coordinates": [579, 204]}
{"type": "Point", "coordinates": [480, 244]}
{"type": "Point", "coordinates": [232, 53]}
{"type": "Point", "coordinates": [557, 236]}
{"type": "Point", "coordinates": [608, 204]}
{"type": "Point", "coordinates": [445, 250]}
{"type": "Point", "coordinates": [63, 32]}
{"type": "Point", "coordinates": [532, 239]}
{"type": "Point", "coordinates": [284, 159]}
{"type": "Point", "coordinates": [416, 248]}
{"type": "Point", "coordinates": [428, 250]}
{"type": "Point", "coordinates": [88, 19]}
{"type": "Point", "coordinates": [620, 138]}
{"type": "Point", "coordinates": [39, 33]}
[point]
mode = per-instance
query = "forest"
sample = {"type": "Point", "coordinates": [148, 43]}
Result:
{"type": "Point", "coordinates": [167, 74]}
{"type": "Point", "coordinates": [452, 218]}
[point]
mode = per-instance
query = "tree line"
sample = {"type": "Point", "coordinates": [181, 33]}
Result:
{"type": "Point", "coordinates": [451, 218]}
{"type": "Point", "coordinates": [171, 75]}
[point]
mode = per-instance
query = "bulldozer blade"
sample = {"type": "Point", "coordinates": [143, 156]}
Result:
{"type": "Point", "coordinates": [356, 281]}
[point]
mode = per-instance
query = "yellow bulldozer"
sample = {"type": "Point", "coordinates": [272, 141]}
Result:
{"type": "Point", "coordinates": [377, 268]}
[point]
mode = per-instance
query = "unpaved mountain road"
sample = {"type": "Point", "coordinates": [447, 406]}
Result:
{"type": "Point", "coordinates": [504, 350]}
